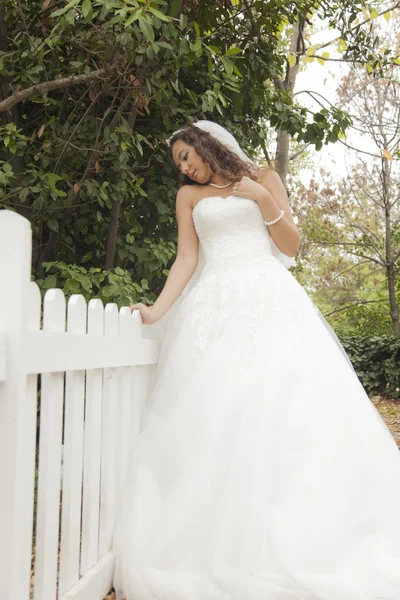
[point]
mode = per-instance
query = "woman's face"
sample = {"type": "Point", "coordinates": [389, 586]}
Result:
{"type": "Point", "coordinates": [190, 163]}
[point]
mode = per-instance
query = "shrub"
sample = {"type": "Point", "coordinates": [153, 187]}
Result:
{"type": "Point", "coordinates": [376, 360]}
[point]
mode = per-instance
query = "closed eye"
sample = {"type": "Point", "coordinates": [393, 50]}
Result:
{"type": "Point", "coordinates": [183, 159]}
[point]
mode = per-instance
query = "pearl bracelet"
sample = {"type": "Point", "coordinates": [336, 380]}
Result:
{"type": "Point", "coordinates": [275, 220]}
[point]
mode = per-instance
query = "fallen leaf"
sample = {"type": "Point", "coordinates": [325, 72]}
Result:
{"type": "Point", "coordinates": [41, 130]}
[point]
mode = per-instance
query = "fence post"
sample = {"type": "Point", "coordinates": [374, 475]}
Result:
{"type": "Point", "coordinates": [17, 410]}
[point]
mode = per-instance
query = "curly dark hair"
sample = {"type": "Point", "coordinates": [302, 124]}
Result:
{"type": "Point", "coordinates": [212, 152]}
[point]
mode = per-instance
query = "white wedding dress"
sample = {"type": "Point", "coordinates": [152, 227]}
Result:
{"type": "Point", "coordinates": [262, 471]}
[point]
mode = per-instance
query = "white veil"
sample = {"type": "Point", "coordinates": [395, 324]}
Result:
{"type": "Point", "coordinates": [221, 134]}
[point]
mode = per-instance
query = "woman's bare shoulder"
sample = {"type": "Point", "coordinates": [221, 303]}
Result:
{"type": "Point", "coordinates": [267, 174]}
{"type": "Point", "coordinates": [189, 194]}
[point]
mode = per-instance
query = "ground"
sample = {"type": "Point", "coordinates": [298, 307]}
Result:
{"type": "Point", "coordinates": [390, 413]}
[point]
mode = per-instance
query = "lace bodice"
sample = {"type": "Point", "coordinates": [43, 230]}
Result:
{"type": "Point", "coordinates": [232, 232]}
{"type": "Point", "coordinates": [239, 276]}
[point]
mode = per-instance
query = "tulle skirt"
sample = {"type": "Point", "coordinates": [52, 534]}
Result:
{"type": "Point", "coordinates": [262, 471]}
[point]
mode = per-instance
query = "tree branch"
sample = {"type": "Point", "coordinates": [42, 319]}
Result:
{"type": "Point", "coordinates": [359, 25]}
{"type": "Point", "coordinates": [360, 302]}
{"type": "Point", "coordinates": [299, 152]}
{"type": "Point", "coordinates": [57, 84]}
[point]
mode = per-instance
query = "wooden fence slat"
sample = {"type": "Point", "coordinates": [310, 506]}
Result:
{"type": "Point", "coordinates": [96, 583]}
{"type": "Point", "coordinates": [2, 357]}
{"type": "Point", "coordinates": [136, 385]}
{"type": "Point", "coordinates": [126, 328]}
{"type": "Point", "coordinates": [92, 448]}
{"type": "Point", "coordinates": [34, 315]}
{"type": "Point", "coordinates": [50, 442]}
{"type": "Point", "coordinates": [109, 439]}
{"type": "Point", "coordinates": [17, 410]}
{"type": "Point", "coordinates": [47, 353]}
{"type": "Point", "coordinates": [73, 457]}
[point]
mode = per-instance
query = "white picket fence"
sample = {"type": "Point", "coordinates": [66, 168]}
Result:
{"type": "Point", "coordinates": [88, 369]}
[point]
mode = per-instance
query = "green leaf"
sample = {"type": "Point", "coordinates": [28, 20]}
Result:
{"type": "Point", "coordinates": [133, 17]}
{"type": "Point", "coordinates": [87, 256]}
{"type": "Point", "coordinates": [159, 14]}
{"type": "Point", "coordinates": [52, 224]}
{"type": "Point", "coordinates": [66, 8]}
{"type": "Point", "coordinates": [196, 46]}
{"type": "Point", "coordinates": [165, 45]}
{"type": "Point", "coordinates": [147, 30]}
{"type": "Point", "coordinates": [53, 178]}
{"type": "Point", "coordinates": [176, 7]}
{"type": "Point", "coordinates": [71, 16]}
{"type": "Point", "coordinates": [50, 282]}
{"type": "Point", "coordinates": [183, 21]}
{"type": "Point", "coordinates": [228, 65]}
{"type": "Point", "coordinates": [87, 10]}
{"type": "Point", "coordinates": [210, 66]}
{"type": "Point", "coordinates": [232, 51]}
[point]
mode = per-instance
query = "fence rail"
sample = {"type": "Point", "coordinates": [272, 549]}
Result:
{"type": "Point", "coordinates": [74, 379]}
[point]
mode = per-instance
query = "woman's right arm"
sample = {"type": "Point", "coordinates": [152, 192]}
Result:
{"type": "Point", "coordinates": [185, 262]}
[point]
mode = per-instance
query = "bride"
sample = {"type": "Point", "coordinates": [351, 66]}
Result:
{"type": "Point", "coordinates": [262, 470]}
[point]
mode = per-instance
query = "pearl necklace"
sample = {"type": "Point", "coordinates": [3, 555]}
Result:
{"type": "Point", "coordinates": [221, 187]}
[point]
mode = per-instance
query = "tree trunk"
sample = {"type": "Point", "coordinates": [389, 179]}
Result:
{"type": "Point", "coordinates": [112, 235]}
{"type": "Point", "coordinates": [394, 309]}
{"type": "Point", "coordinates": [283, 138]}
{"type": "Point", "coordinates": [390, 270]}
{"type": "Point", "coordinates": [116, 208]}
{"type": "Point", "coordinates": [282, 154]}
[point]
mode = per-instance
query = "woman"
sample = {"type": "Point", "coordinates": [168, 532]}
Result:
{"type": "Point", "coordinates": [263, 471]}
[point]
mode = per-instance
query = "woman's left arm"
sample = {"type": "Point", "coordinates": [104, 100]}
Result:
{"type": "Point", "coordinates": [271, 196]}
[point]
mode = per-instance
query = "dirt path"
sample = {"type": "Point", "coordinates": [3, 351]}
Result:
{"type": "Point", "coordinates": [390, 413]}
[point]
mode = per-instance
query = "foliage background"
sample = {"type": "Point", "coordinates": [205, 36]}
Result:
{"type": "Point", "coordinates": [91, 89]}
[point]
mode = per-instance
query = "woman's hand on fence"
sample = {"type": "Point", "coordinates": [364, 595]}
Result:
{"type": "Point", "coordinates": [148, 313]}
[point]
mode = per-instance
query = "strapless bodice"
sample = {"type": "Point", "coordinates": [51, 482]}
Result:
{"type": "Point", "coordinates": [231, 231]}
